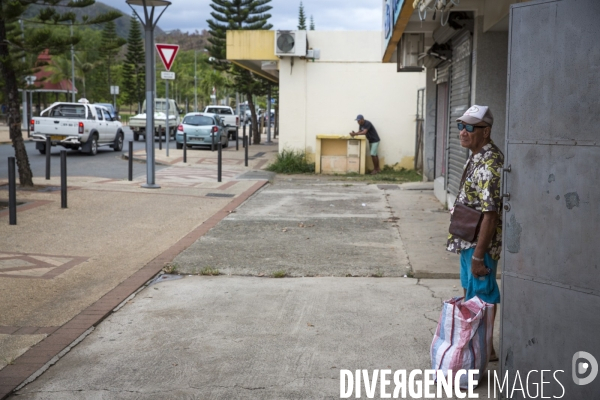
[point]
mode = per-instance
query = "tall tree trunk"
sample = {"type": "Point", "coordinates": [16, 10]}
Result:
{"type": "Point", "coordinates": [14, 118]}
{"type": "Point", "coordinates": [255, 134]}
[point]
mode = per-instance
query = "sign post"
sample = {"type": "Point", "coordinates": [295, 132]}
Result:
{"type": "Point", "coordinates": [167, 53]}
{"type": "Point", "coordinates": [114, 90]}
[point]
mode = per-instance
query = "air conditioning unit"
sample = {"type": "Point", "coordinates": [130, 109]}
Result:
{"type": "Point", "coordinates": [290, 43]}
{"type": "Point", "coordinates": [411, 46]}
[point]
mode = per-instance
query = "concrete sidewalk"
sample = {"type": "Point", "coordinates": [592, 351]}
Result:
{"type": "Point", "coordinates": [345, 303]}
{"type": "Point", "coordinates": [63, 270]}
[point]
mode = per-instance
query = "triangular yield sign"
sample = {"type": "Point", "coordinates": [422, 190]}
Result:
{"type": "Point", "coordinates": [167, 53]}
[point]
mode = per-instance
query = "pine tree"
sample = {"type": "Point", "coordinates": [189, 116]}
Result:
{"type": "Point", "coordinates": [236, 15]}
{"type": "Point", "coordinates": [301, 18]}
{"type": "Point", "coordinates": [45, 36]}
{"type": "Point", "coordinates": [134, 65]}
{"type": "Point", "coordinates": [312, 23]}
{"type": "Point", "coordinates": [111, 43]}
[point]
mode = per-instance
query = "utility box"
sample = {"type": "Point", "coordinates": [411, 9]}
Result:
{"type": "Point", "coordinates": [340, 154]}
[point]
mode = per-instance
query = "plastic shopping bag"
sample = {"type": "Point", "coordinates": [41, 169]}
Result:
{"type": "Point", "coordinates": [463, 338]}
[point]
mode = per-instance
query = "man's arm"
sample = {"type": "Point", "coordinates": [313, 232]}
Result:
{"type": "Point", "coordinates": [486, 233]}
{"type": "Point", "coordinates": [363, 132]}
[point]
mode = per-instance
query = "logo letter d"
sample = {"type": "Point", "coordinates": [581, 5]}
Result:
{"type": "Point", "coordinates": [583, 367]}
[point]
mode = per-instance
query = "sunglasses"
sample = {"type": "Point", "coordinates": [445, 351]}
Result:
{"type": "Point", "coordinates": [469, 128]}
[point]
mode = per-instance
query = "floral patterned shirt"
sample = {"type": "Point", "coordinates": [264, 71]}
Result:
{"type": "Point", "coordinates": [481, 191]}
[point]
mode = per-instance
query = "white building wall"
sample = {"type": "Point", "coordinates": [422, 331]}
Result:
{"type": "Point", "coordinates": [324, 96]}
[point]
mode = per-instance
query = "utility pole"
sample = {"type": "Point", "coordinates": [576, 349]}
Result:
{"type": "Point", "coordinates": [268, 116]}
{"type": "Point", "coordinates": [25, 120]}
{"type": "Point", "coordinates": [73, 67]}
{"type": "Point", "coordinates": [195, 82]}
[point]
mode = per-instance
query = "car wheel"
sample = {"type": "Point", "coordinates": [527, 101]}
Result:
{"type": "Point", "coordinates": [118, 146]}
{"type": "Point", "coordinates": [136, 136]}
{"type": "Point", "coordinates": [42, 150]}
{"type": "Point", "coordinates": [179, 146]}
{"type": "Point", "coordinates": [94, 146]}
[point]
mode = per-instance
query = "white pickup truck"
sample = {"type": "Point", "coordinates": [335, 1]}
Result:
{"type": "Point", "coordinates": [77, 126]}
{"type": "Point", "coordinates": [138, 123]}
{"type": "Point", "coordinates": [230, 120]}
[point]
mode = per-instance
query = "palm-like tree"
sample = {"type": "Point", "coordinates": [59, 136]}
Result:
{"type": "Point", "coordinates": [82, 67]}
{"type": "Point", "coordinates": [60, 69]}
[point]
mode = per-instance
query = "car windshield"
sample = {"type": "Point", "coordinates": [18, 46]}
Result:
{"type": "Point", "coordinates": [198, 120]}
{"type": "Point", "coordinates": [161, 106]}
{"type": "Point", "coordinates": [109, 106]}
{"type": "Point", "coordinates": [216, 110]}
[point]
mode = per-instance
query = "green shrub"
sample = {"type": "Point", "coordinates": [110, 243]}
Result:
{"type": "Point", "coordinates": [291, 162]}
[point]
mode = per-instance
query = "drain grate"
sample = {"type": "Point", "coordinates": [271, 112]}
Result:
{"type": "Point", "coordinates": [219, 195]}
{"type": "Point", "coordinates": [262, 153]}
{"type": "Point", "coordinates": [164, 278]}
{"type": "Point", "coordinates": [388, 187]}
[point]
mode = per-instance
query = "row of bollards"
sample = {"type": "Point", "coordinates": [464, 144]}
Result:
{"type": "Point", "coordinates": [245, 143]}
{"type": "Point", "coordinates": [12, 182]}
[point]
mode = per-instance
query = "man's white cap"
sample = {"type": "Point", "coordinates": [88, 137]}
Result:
{"type": "Point", "coordinates": [476, 114]}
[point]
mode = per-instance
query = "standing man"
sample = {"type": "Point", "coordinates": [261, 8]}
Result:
{"type": "Point", "coordinates": [367, 128]}
{"type": "Point", "coordinates": [480, 190]}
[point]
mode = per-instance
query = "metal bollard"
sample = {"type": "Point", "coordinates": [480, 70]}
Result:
{"type": "Point", "coordinates": [48, 149]}
{"type": "Point", "coordinates": [159, 138]}
{"type": "Point", "coordinates": [63, 179]}
{"type": "Point", "coordinates": [130, 175]}
{"type": "Point", "coordinates": [184, 147]}
{"type": "Point", "coordinates": [219, 161]}
{"type": "Point", "coordinates": [245, 151]}
{"type": "Point", "coordinates": [12, 192]}
{"type": "Point", "coordinates": [244, 140]}
{"type": "Point", "coordinates": [237, 137]}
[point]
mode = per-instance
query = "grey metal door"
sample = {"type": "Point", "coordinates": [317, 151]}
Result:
{"type": "Point", "coordinates": [460, 98]}
{"type": "Point", "coordinates": [551, 256]}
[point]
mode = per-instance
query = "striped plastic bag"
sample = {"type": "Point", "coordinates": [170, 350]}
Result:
{"type": "Point", "coordinates": [463, 338]}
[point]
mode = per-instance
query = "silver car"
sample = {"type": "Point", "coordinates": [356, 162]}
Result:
{"type": "Point", "coordinates": [202, 129]}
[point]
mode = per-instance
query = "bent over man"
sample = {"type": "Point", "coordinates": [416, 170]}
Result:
{"type": "Point", "coordinates": [367, 129]}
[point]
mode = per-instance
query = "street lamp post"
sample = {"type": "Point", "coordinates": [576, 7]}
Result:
{"type": "Point", "coordinates": [149, 23]}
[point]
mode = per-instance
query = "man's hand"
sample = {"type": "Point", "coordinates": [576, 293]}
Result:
{"type": "Point", "coordinates": [352, 133]}
{"type": "Point", "coordinates": [478, 268]}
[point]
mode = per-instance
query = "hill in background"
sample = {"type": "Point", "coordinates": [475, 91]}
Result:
{"type": "Point", "coordinates": [188, 41]}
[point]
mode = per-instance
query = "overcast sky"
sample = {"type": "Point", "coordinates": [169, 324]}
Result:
{"type": "Point", "coordinates": [189, 15]}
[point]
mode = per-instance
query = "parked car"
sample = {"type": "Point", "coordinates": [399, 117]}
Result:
{"type": "Point", "coordinates": [230, 120]}
{"type": "Point", "coordinates": [201, 129]}
{"type": "Point", "coordinates": [138, 123]}
{"type": "Point", "coordinates": [111, 110]}
{"type": "Point", "coordinates": [76, 126]}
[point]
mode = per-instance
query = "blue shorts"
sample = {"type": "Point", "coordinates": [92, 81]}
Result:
{"type": "Point", "coordinates": [374, 147]}
{"type": "Point", "coordinates": [484, 287]}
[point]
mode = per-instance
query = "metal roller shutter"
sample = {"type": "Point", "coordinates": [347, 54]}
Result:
{"type": "Point", "coordinates": [460, 99]}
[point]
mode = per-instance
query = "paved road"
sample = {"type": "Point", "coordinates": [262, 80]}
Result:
{"type": "Point", "coordinates": [107, 163]}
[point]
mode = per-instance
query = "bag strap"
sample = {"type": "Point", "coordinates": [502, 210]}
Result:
{"type": "Point", "coordinates": [462, 180]}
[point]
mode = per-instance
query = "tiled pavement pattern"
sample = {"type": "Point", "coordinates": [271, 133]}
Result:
{"type": "Point", "coordinates": [35, 266]}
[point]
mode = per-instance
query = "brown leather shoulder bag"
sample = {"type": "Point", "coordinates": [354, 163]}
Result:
{"type": "Point", "coordinates": [465, 221]}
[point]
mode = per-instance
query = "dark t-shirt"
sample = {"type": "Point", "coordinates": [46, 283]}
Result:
{"type": "Point", "coordinates": [372, 135]}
